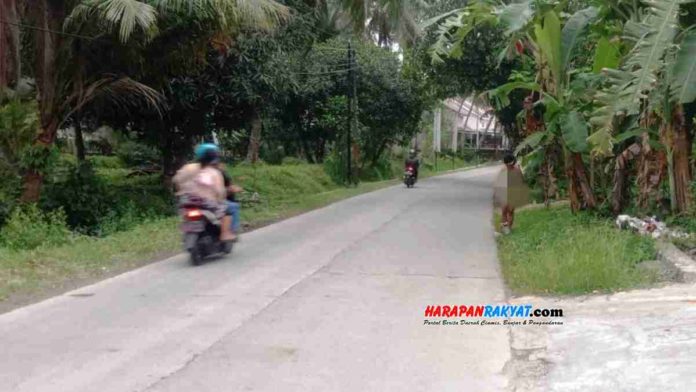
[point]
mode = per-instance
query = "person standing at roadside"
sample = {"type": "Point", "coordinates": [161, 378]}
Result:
{"type": "Point", "coordinates": [510, 192]}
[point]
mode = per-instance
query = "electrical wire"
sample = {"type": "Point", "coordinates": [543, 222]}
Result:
{"type": "Point", "coordinates": [31, 27]}
{"type": "Point", "coordinates": [338, 71]}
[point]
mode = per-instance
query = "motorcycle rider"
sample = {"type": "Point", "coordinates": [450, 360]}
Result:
{"type": "Point", "coordinates": [204, 180]}
{"type": "Point", "coordinates": [413, 161]}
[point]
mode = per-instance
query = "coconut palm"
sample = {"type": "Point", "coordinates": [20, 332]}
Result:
{"type": "Point", "coordinates": [387, 21]}
{"type": "Point", "coordinates": [60, 24]}
{"type": "Point", "coordinates": [10, 65]}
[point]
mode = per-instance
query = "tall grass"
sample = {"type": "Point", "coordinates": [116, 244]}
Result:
{"type": "Point", "coordinates": [552, 251]}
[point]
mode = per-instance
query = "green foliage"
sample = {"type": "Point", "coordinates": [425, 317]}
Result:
{"type": "Point", "coordinates": [572, 33]}
{"type": "Point", "coordinates": [124, 216]}
{"type": "Point", "coordinates": [293, 161]}
{"type": "Point", "coordinates": [105, 162]}
{"type": "Point", "coordinates": [335, 167]}
{"type": "Point", "coordinates": [18, 126]}
{"type": "Point", "coordinates": [38, 157]}
{"type": "Point", "coordinates": [272, 155]}
{"type": "Point", "coordinates": [135, 154]}
{"type": "Point", "coordinates": [683, 71]}
{"type": "Point", "coordinates": [82, 195]}
{"type": "Point", "coordinates": [383, 169]}
{"type": "Point", "coordinates": [653, 34]}
{"type": "Point", "coordinates": [10, 189]}
{"type": "Point", "coordinates": [552, 251]}
{"type": "Point", "coordinates": [28, 228]}
{"type": "Point", "coordinates": [607, 55]}
{"type": "Point", "coordinates": [548, 37]}
{"type": "Point", "coordinates": [575, 132]}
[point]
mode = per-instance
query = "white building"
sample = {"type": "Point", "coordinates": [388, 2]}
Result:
{"type": "Point", "coordinates": [465, 125]}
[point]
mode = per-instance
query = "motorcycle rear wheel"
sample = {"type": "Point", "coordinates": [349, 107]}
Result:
{"type": "Point", "coordinates": [196, 256]}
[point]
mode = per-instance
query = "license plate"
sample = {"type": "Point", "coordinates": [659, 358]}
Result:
{"type": "Point", "coordinates": [192, 227]}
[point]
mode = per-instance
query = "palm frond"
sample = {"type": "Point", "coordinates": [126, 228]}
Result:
{"type": "Point", "coordinates": [256, 14]}
{"type": "Point", "coordinates": [125, 16]}
{"type": "Point", "coordinates": [121, 92]}
{"type": "Point", "coordinates": [452, 32]}
{"type": "Point", "coordinates": [230, 14]}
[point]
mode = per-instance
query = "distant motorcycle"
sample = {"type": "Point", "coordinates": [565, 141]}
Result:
{"type": "Point", "coordinates": [410, 176]}
{"type": "Point", "coordinates": [201, 231]}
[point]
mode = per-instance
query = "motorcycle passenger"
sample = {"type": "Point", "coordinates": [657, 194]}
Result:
{"type": "Point", "coordinates": [413, 162]}
{"type": "Point", "coordinates": [233, 207]}
{"type": "Point", "coordinates": [202, 179]}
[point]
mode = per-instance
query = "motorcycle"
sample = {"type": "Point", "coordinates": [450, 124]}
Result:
{"type": "Point", "coordinates": [410, 176]}
{"type": "Point", "coordinates": [201, 231]}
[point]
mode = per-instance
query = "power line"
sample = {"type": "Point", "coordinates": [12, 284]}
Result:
{"type": "Point", "coordinates": [31, 27]}
{"type": "Point", "coordinates": [328, 72]}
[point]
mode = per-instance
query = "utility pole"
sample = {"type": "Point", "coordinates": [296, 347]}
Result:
{"type": "Point", "coordinates": [352, 110]}
{"type": "Point", "coordinates": [437, 122]}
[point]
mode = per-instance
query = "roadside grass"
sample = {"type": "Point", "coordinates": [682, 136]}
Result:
{"type": "Point", "coordinates": [85, 258]}
{"type": "Point", "coordinates": [284, 191]}
{"type": "Point", "coordinates": [552, 251]}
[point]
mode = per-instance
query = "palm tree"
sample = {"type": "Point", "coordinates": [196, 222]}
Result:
{"type": "Point", "coordinates": [387, 21]}
{"type": "Point", "coordinates": [10, 65]}
{"type": "Point", "coordinates": [58, 25]}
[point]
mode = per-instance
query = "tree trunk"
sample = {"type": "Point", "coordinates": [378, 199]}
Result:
{"type": "Point", "coordinates": [620, 180]}
{"type": "Point", "coordinates": [573, 192]}
{"type": "Point", "coordinates": [254, 137]}
{"type": "Point", "coordinates": [580, 175]}
{"type": "Point", "coordinates": [79, 140]}
{"type": "Point", "coordinates": [49, 17]}
{"type": "Point", "coordinates": [10, 63]}
{"type": "Point", "coordinates": [681, 157]}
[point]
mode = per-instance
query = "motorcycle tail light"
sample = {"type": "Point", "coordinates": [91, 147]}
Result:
{"type": "Point", "coordinates": [193, 215]}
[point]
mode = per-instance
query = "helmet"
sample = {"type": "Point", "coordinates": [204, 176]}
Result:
{"type": "Point", "coordinates": [207, 153]}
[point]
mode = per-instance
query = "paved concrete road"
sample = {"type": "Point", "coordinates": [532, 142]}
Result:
{"type": "Point", "coordinates": [640, 340]}
{"type": "Point", "coordinates": [332, 300]}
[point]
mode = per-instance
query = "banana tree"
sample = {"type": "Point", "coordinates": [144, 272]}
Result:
{"type": "Point", "coordinates": [654, 83]}
{"type": "Point", "coordinates": [535, 30]}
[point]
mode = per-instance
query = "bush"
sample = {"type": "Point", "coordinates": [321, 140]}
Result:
{"type": "Point", "coordinates": [293, 161]}
{"type": "Point", "coordinates": [80, 194]}
{"type": "Point", "coordinates": [272, 156]}
{"type": "Point", "coordinates": [105, 162]}
{"type": "Point", "coordinates": [136, 154]}
{"type": "Point", "coordinates": [123, 217]}
{"type": "Point", "coordinates": [10, 189]}
{"type": "Point", "coordinates": [380, 171]}
{"type": "Point", "coordinates": [335, 167]}
{"type": "Point", "coordinates": [28, 228]}
{"type": "Point", "coordinates": [99, 146]}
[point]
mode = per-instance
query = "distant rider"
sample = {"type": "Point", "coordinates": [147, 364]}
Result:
{"type": "Point", "coordinates": [413, 161]}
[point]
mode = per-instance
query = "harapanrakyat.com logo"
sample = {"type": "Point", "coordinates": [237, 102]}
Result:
{"type": "Point", "coordinates": [501, 314]}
